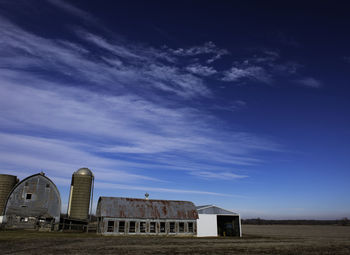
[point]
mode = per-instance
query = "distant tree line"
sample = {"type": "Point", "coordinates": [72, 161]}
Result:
{"type": "Point", "coordinates": [258, 221]}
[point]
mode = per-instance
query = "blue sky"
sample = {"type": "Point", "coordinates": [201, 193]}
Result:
{"type": "Point", "coordinates": [242, 105]}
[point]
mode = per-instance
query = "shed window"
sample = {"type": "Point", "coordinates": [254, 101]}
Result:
{"type": "Point", "coordinates": [162, 227]}
{"type": "Point", "coordinates": [132, 226]}
{"type": "Point", "coordinates": [110, 226]}
{"type": "Point", "coordinates": [28, 196]}
{"type": "Point", "coordinates": [152, 227]}
{"type": "Point", "coordinates": [47, 185]}
{"type": "Point", "coordinates": [142, 227]}
{"type": "Point", "coordinates": [172, 227]}
{"type": "Point", "coordinates": [181, 227]}
{"type": "Point", "coordinates": [121, 227]}
{"type": "Point", "coordinates": [190, 227]}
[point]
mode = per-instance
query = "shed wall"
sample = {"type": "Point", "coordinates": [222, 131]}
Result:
{"type": "Point", "coordinates": [207, 225]}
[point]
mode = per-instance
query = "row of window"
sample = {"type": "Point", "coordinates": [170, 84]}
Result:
{"type": "Point", "coordinates": [151, 227]}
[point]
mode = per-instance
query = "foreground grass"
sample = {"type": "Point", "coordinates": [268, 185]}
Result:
{"type": "Point", "coordinates": [308, 240]}
{"type": "Point", "coordinates": [10, 235]}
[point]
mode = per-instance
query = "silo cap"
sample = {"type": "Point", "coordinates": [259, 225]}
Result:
{"type": "Point", "coordinates": [84, 171]}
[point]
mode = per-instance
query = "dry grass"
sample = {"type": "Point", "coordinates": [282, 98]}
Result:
{"type": "Point", "coordinates": [270, 239]}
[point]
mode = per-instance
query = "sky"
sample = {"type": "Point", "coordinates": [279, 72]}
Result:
{"type": "Point", "coordinates": [241, 104]}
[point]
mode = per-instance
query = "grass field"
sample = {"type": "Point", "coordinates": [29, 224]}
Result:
{"type": "Point", "coordinates": [262, 239]}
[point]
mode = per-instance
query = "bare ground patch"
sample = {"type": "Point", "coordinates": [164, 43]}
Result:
{"type": "Point", "coordinates": [309, 240]}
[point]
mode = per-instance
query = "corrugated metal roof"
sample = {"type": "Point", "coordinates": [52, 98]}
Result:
{"type": "Point", "coordinates": [202, 206]}
{"type": "Point", "coordinates": [213, 209]}
{"type": "Point", "coordinates": [121, 207]}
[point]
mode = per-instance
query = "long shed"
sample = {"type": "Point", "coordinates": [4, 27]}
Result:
{"type": "Point", "coordinates": [216, 221]}
{"type": "Point", "coordinates": [121, 216]}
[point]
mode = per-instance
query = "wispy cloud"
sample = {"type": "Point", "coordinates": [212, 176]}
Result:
{"type": "Point", "coordinates": [104, 185]}
{"type": "Point", "coordinates": [232, 106]}
{"type": "Point", "coordinates": [73, 10]}
{"type": "Point", "coordinates": [218, 175]}
{"type": "Point", "coordinates": [141, 127]}
{"type": "Point", "coordinates": [310, 82]}
{"type": "Point", "coordinates": [120, 111]}
{"type": "Point", "coordinates": [59, 158]}
{"type": "Point", "coordinates": [201, 70]}
{"type": "Point", "coordinates": [267, 66]}
{"type": "Point", "coordinates": [259, 67]}
{"type": "Point", "coordinates": [250, 72]}
{"type": "Point", "coordinates": [209, 49]}
{"type": "Point", "coordinates": [119, 67]}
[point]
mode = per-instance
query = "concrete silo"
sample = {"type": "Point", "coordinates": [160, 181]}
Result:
{"type": "Point", "coordinates": [80, 194]}
{"type": "Point", "coordinates": [7, 182]}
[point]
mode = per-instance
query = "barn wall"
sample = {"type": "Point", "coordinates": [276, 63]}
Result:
{"type": "Point", "coordinates": [110, 226]}
{"type": "Point", "coordinates": [34, 197]}
{"type": "Point", "coordinates": [207, 225]}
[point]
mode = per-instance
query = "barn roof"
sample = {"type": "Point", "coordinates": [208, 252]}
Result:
{"type": "Point", "coordinates": [121, 207]}
{"type": "Point", "coordinates": [213, 209]}
{"type": "Point", "coordinates": [202, 206]}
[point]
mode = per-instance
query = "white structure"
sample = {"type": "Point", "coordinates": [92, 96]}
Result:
{"type": "Point", "coordinates": [215, 221]}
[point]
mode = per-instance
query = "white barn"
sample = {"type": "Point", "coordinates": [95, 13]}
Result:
{"type": "Point", "coordinates": [215, 221]}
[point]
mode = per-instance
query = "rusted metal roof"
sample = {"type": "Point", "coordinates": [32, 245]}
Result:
{"type": "Point", "coordinates": [121, 207]}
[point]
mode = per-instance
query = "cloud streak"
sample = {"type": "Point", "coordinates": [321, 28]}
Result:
{"type": "Point", "coordinates": [117, 67]}
{"type": "Point", "coordinates": [73, 10]}
{"type": "Point", "coordinates": [267, 67]}
{"type": "Point", "coordinates": [228, 176]}
{"type": "Point", "coordinates": [252, 72]}
{"type": "Point", "coordinates": [310, 82]}
{"type": "Point", "coordinates": [207, 49]}
{"type": "Point", "coordinates": [104, 185]}
{"type": "Point", "coordinates": [201, 70]}
{"type": "Point", "coordinates": [120, 112]}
